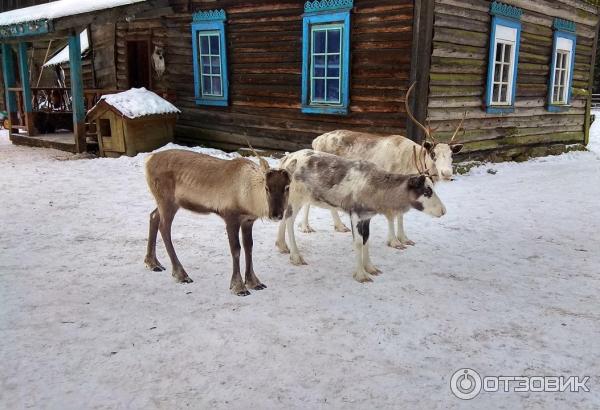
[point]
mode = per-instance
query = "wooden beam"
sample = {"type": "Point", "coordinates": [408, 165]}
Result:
{"type": "Point", "coordinates": [26, 86]}
{"type": "Point", "coordinates": [8, 70]}
{"type": "Point", "coordinates": [77, 101]}
{"type": "Point", "coordinates": [588, 107]}
{"type": "Point", "coordinates": [420, 64]}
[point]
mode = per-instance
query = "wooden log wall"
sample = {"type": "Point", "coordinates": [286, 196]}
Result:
{"type": "Point", "coordinates": [264, 50]}
{"type": "Point", "coordinates": [103, 46]}
{"type": "Point", "coordinates": [459, 73]}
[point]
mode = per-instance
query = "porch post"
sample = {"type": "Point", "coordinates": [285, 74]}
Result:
{"type": "Point", "coordinates": [77, 103]}
{"type": "Point", "coordinates": [8, 70]}
{"type": "Point", "coordinates": [27, 106]}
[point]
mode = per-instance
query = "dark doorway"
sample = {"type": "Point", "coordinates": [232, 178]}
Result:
{"type": "Point", "coordinates": [138, 63]}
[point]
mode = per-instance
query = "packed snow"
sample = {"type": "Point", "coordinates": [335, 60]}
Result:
{"type": "Point", "coordinates": [58, 9]}
{"type": "Point", "coordinates": [139, 102]}
{"type": "Point", "coordinates": [506, 283]}
{"type": "Point", "coordinates": [63, 55]}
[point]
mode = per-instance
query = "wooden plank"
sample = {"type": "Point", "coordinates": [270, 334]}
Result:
{"type": "Point", "coordinates": [421, 57]}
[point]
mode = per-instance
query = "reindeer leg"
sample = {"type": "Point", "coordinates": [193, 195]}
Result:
{"type": "Point", "coordinates": [401, 235]}
{"type": "Point", "coordinates": [338, 225]}
{"type": "Point", "coordinates": [365, 251]}
{"type": "Point", "coordinates": [290, 216]}
{"type": "Point", "coordinates": [252, 281]}
{"type": "Point", "coordinates": [280, 243]}
{"type": "Point", "coordinates": [359, 241]}
{"type": "Point", "coordinates": [150, 260]}
{"type": "Point", "coordinates": [304, 226]}
{"type": "Point", "coordinates": [392, 241]}
{"type": "Point", "coordinates": [233, 233]}
{"type": "Point", "coordinates": [166, 221]}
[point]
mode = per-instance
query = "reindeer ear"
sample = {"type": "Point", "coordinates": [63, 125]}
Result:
{"type": "Point", "coordinates": [428, 145]}
{"type": "Point", "coordinates": [264, 165]}
{"type": "Point", "coordinates": [416, 182]}
{"type": "Point", "coordinates": [456, 148]}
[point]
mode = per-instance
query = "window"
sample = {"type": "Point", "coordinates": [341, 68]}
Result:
{"type": "Point", "coordinates": [503, 58]}
{"type": "Point", "coordinates": [211, 78]}
{"type": "Point", "coordinates": [561, 69]}
{"type": "Point", "coordinates": [326, 57]}
{"type": "Point", "coordinates": [210, 58]}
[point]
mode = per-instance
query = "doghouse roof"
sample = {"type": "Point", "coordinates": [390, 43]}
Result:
{"type": "Point", "coordinates": [134, 103]}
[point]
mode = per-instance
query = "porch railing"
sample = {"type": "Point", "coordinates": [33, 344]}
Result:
{"type": "Point", "coordinates": [53, 100]}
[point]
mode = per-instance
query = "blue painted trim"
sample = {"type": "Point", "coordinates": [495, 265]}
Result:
{"type": "Point", "coordinates": [30, 28]}
{"type": "Point", "coordinates": [561, 107]}
{"type": "Point", "coordinates": [563, 25]}
{"type": "Point", "coordinates": [327, 5]}
{"type": "Point", "coordinates": [24, 74]}
{"type": "Point", "coordinates": [211, 25]}
{"type": "Point", "coordinates": [497, 109]}
{"type": "Point", "coordinates": [308, 21]}
{"type": "Point", "coordinates": [8, 71]}
{"type": "Point", "coordinates": [77, 101]}
{"type": "Point", "coordinates": [505, 10]}
{"type": "Point", "coordinates": [208, 15]}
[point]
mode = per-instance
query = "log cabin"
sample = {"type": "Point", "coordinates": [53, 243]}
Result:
{"type": "Point", "coordinates": [281, 72]}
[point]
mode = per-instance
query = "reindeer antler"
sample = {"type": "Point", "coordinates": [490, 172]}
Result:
{"type": "Point", "coordinates": [426, 130]}
{"type": "Point", "coordinates": [459, 126]}
{"type": "Point", "coordinates": [263, 162]}
{"type": "Point", "coordinates": [415, 159]}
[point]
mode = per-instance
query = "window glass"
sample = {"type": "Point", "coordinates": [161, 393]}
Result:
{"type": "Point", "coordinates": [325, 64]}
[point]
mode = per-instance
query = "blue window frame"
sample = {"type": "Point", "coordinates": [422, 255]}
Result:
{"type": "Point", "coordinates": [210, 58]}
{"type": "Point", "coordinates": [503, 58]}
{"type": "Point", "coordinates": [326, 57]}
{"type": "Point", "coordinates": [563, 62]}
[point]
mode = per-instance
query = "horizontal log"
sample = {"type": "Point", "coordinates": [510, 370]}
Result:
{"type": "Point", "coordinates": [562, 137]}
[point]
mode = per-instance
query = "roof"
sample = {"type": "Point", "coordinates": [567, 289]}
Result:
{"type": "Point", "coordinates": [63, 55]}
{"type": "Point", "coordinates": [58, 9]}
{"type": "Point", "coordinates": [136, 103]}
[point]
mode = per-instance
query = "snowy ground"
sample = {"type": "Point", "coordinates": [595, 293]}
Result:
{"type": "Point", "coordinates": [507, 283]}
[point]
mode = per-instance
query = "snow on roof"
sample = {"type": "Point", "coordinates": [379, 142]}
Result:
{"type": "Point", "coordinates": [60, 8]}
{"type": "Point", "coordinates": [139, 102]}
{"type": "Point", "coordinates": [63, 55]}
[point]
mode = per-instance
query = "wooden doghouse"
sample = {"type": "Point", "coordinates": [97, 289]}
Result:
{"type": "Point", "coordinates": [133, 121]}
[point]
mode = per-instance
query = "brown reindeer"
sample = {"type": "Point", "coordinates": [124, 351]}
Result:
{"type": "Point", "coordinates": [237, 190]}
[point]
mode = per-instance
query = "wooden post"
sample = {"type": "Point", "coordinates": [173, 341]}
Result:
{"type": "Point", "coordinates": [8, 70]}
{"type": "Point", "coordinates": [590, 89]}
{"type": "Point", "coordinates": [77, 102]}
{"type": "Point", "coordinates": [26, 86]}
{"type": "Point", "coordinates": [420, 65]}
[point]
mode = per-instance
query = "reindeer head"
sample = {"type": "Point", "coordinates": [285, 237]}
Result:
{"type": "Point", "coordinates": [439, 152]}
{"type": "Point", "coordinates": [277, 187]}
{"type": "Point", "coordinates": [422, 196]}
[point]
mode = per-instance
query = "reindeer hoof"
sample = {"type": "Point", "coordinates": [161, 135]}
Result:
{"type": "Point", "coordinates": [341, 228]}
{"type": "Point", "coordinates": [243, 293]}
{"type": "Point", "coordinates": [362, 277]}
{"type": "Point", "coordinates": [373, 270]}
{"type": "Point", "coordinates": [182, 278]}
{"type": "Point", "coordinates": [283, 248]}
{"type": "Point", "coordinates": [154, 265]}
{"type": "Point", "coordinates": [260, 286]}
{"type": "Point", "coordinates": [297, 260]}
{"type": "Point", "coordinates": [408, 242]}
{"type": "Point", "coordinates": [306, 229]}
{"type": "Point", "coordinates": [396, 244]}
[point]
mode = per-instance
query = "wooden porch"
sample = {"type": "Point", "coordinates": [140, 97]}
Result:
{"type": "Point", "coordinates": [50, 116]}
{"type": "Point", "coordinates": [50, 122]}
{"type": "Point", "coordinates": [64, 141]}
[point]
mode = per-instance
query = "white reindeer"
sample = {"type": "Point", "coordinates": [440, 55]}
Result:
{"type": "Point", "coordinates": [394, 154]}
{"type": "Point", "coordinates": [356, 187]}
{"type": "Point", "coordinates": [239, 191]}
